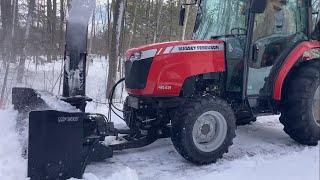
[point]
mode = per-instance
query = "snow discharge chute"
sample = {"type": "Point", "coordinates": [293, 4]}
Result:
{"type": "Point", "coordinates": [74, 78]}
{"type": "Point", "coordinates": [74, 84]}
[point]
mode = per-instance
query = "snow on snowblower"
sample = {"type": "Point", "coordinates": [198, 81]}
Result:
{"type": "Point", "coordinates": [195, 92]}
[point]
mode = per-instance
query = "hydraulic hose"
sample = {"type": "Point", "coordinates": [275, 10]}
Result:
{"type": "Point", "coordinates": [111, 105]}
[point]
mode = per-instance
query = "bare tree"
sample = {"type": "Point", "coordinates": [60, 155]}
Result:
{"type": "Point", "coordinates": [31, 8]}
{"type": "Point", "coordinates": [118, 12]}
{"type": "Point", "coordinates": [134, 24]}
{"type": "Point", "coordinates": [156, 32]}
{"type": "Point", "coordinates": [184, 29]}
{"type": "Point", "coordinates": [8, 13]}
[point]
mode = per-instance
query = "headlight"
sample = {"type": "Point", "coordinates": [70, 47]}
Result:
{"type": "Point", "coordinates": [143, 55]}
{"type": "Point", "coordinates": [135, 57]}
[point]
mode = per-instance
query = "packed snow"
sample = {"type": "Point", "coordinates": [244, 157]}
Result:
{"type": "Point", "coordinates": [260, 151]}
{"type": "Point", "coordinates": [12, 165]}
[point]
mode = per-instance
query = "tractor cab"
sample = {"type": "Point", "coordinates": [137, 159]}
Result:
{"type": "Point", "coordinates": [258, 39]}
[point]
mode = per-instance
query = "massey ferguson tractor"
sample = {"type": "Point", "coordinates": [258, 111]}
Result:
{"type": "Point", "coordinates": [248, 59]}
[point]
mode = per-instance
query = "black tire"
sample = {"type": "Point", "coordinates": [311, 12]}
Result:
{"type": "Point", "coordinates": [297, 106]}
{"type": "Point", "coordinates": [245, 118]}
{"type": "Point", "coordinates": [184, 121]}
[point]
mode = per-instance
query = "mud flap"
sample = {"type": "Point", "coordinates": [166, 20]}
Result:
{"type": "Point", "coordinates": [61, 144]}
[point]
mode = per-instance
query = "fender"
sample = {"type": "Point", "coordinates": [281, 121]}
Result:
{"type": "Point", "coordinates": [293, 58]}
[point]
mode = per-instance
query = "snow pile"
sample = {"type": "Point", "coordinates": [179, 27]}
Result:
{"type": "Point", "coordinates": [12, 165]}
{"type": "Point", "coordinates": [57, 104]}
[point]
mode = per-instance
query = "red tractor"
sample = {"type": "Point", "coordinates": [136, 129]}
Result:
{"type": "Point", "coordinates": [248, 58]}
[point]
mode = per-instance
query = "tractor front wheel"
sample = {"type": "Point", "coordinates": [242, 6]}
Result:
{"type": "Point", "coordinates": [301, 107]}
{"type": "Point", "coordinates": [203, 129]}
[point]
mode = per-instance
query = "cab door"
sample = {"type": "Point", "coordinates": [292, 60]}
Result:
{"type": "Point", "coordinates": [276, 32]}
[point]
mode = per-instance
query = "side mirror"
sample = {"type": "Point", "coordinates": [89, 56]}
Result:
{"type": "Point", "coordinates": [258, 6]}
{"type": "Point", "coordinates": [182, 16]}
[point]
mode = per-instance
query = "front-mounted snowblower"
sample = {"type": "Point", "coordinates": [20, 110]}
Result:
{"type": "Point", "coordinates": [62, 142]}
{"type": "Point", "coordinates": [195, 92]}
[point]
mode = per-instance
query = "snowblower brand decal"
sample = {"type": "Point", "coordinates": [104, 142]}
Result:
{"type": "Point", "coordinates": [194, 48]}
{"type": "Point", "coordinates": [67, 119]}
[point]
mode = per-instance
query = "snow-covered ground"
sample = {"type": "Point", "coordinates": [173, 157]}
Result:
{"type": "Point", "coordinates": [260, 151]}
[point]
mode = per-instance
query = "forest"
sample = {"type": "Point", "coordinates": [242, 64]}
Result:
{"type": "Point", "coordinates": [34, 31]}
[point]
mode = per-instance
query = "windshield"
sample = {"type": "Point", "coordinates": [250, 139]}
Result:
{"type": "Point", "coordinates": [219, 17]}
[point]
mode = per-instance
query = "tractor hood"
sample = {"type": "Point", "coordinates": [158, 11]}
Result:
{"type": "Point", "coordinates": [152, 50]}
{"type": "Point", "coordinates": [162, 69]}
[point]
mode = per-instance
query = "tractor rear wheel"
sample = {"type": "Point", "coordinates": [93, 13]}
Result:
{"type": "Point", "coordinates": [301, 107]}
{"type": "Point", "coordinates": [203, 129]}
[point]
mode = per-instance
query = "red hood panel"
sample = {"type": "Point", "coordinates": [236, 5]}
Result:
{"type": "Point", "coordinates": [174, 62]}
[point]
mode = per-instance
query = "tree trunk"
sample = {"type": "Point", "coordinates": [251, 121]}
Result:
{"type": "Point", "coordinates": [62, 14]}
{"type": "Point", "coordinates": [54, 27]}
{"type": "Point", "coordinates": [4, 85]}
{"type": "Point", "coordinates": [118, 12]}
{"type": "Point", "coordinates": [10, 19]}
{"type": "Point", "coordinates": [6, 21]}
{"type": "Point", "coordinates": [49, 30]}
{"type": "Point", "coordinates": [108, 31]}
{"type": "Point", "coordinates": [132, 34]}
{"type": "Point", "coordinates": [31, 8]}
{"type": "Point", "coordinates": [184, 29]}
{"type": "Point", "coordinates": [160, 5]}
{"type": "Point", "coordinates": [93, 33]}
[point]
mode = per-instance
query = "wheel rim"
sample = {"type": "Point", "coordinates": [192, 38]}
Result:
{"type": "Point", "coordinates": [316, 106]}
{"type": "Point", "coordinates": [209, 131]}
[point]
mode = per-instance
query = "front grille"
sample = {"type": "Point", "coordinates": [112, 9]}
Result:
{"type": "Point", "coordinates": [137, 73]}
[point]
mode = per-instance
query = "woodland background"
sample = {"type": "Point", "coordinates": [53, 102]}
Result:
{"type": "Point", "coordinates": [33, 31]}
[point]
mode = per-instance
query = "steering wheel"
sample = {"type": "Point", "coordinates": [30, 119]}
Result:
{"type": "Point", "coordinates": [238, 31]}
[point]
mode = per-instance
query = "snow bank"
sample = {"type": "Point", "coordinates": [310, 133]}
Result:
{"type": "Point", "coordinates": [12, 165]}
